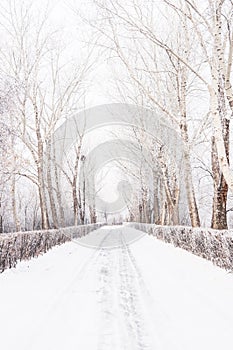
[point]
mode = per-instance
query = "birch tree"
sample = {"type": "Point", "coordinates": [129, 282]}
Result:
{"type": "Point", "coordinates": [213, 30]}
{"type": "Point", "coordinates": [164, 83]}
{"type": "Point", "coordinates": [207, 61]}
{"type": "Point", "coordinates": [50, 90]}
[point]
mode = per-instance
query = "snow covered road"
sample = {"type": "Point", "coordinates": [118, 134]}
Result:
{"type": "Point", "coordinates": [143, 295]}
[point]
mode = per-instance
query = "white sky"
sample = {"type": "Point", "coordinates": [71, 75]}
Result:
{"type": "Point", "coordinates": [79, 34]}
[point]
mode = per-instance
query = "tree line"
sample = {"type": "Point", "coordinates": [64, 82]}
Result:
{"type": "Point", "coordinates": [172, 56]}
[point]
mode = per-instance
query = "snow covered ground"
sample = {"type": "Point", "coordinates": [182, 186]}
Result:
{"type": "Point", "coordinates": [143, 295]}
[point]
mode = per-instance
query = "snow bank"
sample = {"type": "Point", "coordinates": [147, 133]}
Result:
{"type": "Point", "coordinates": [213, 245]}
{"type": "Point", "coordinates": [26, 245]}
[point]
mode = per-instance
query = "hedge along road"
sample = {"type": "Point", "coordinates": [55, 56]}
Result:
{"type": "Point", "coordinates": [118, 295]}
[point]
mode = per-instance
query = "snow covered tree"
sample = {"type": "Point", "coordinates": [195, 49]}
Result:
{"type": "Point", "coordinates": [50, 90]}
{"type": "Point", "coordinates": [190, 49]}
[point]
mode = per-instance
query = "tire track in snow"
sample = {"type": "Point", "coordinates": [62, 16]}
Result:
{"type": "Point", "coordinates": [157, 317]}
{"type": "Point", "coordinates": [131, 302]}
{"type": "Point", "coordinates": [107, 330]}
{"type": "Point", "coordinates": [124, 301]}
{"type": "Point", "coordinates": [60, 299]}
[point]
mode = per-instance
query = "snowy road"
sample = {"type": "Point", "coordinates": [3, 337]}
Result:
{"type": "Point", "coordinates": [144, 295]}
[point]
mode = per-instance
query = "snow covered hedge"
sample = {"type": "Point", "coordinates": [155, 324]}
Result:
{"type": "Point", "coordinates": [26, 245]}
{"type": "Point", "coordinates": [214, 245]}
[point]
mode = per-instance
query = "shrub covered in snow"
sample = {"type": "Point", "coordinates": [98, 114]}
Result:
{"type": "Point", "coordinates": [214, 245]}
{"type": "Point", "coordinates": [26, 245]}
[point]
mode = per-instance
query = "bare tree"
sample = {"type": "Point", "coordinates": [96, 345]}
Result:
{"type": "Point", "coordinates": [200, 52]}
{"type": "Point", "coordinates": [49, 91]}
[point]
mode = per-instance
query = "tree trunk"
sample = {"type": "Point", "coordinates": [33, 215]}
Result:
{"type": "Point", "coordinates": [218, 71]}
{"type": "Point", "coordinates": [50, 187]}
{"type": "Point", "coordinates": [75, 203]}
{"type": "Point", "coordinates": [61, 220]}
{"type": "Point", "coordinates": [219, 91]}
{"type": "Point", "coordinates": [40, 167]}
{"type": "Point", "coordinates": [219, 214]}
{"type": "Point", "coordinates": [92, 212]}
{"type": "Point", "coordinates": [192, 204]}
{"type": "Point", "coordinates": [13, 203]}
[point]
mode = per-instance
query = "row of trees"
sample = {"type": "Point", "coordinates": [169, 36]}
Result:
{"type": "Point", "coordinates": [42, 85]}
{"type": "Point", "coordinates": [177, 59]}
{"type": "Point", "coordinates": [173, 57]}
